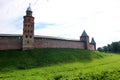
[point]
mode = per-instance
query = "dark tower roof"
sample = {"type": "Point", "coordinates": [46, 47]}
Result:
{"type": "Point", "coordinates": [93, 41]}
{"type": "Point", "coordinates": [29, 11]}
{"type": "Point", "coordinates": [29, 8]}
{"type": "Point", "coordinates": [84, 33]}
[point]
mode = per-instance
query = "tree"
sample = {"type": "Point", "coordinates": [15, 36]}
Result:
{"type": "Point", "coordinates": [100, 49]}
{"type": "Point", "coordinates": [109, 48]}
{"type": "Point", "coordinates": [105, 49]}
{"type": "Point", "coordinates": [114, 47]}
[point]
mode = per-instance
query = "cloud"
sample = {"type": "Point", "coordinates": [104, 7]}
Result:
{"type": "Point", "coordinates": [65, 18]}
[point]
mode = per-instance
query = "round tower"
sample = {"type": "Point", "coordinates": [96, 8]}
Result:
{"type": "Point", "coordinates": [85, 38]}
{"type": "Point", "coordinates": [28, 30]}
{"type": "Point", "coordinates": [93, 43]}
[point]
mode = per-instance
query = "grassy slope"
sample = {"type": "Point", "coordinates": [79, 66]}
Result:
{"type": "Point", "coordinates": [58, 64]}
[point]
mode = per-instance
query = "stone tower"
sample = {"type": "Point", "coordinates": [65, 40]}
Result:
{"type": "Point", "coordinates": [85, 38]}
{"type": "Point", "coordinates": [94, 43]}
{"type": "Point", "coordinates": [28, 30]}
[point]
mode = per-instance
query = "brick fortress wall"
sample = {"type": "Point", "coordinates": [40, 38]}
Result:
{"type": "Point", "coordinates": [40, 42]}
{"type": "Point", "coordinates": [10, 42]}
{"type": "Point", "coordinates": [15, 42]}
{"type": "Point", "coordinates": [92, 47]}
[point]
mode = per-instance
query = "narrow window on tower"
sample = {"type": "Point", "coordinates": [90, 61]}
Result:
{"type": "Point", "coordinates": [28, 25]}
{"type": "Point", "coordinates": [30, 36]}
{"type": "Point", "coordinates": [26, 36]}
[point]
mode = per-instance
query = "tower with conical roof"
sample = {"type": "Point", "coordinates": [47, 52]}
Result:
{"type": "Point", "coordinates": [28, 30]}
{"type": "Point", "coordinates": [93, 43]}
{"type": "Point", "coordinates": [85, 38]}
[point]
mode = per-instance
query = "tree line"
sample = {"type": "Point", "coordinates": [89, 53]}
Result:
{"type": "Point", "coordinates": [113, 47]}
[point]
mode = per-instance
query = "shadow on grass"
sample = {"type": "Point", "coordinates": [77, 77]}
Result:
{"type": "Point", "coordinates": [44, 57]}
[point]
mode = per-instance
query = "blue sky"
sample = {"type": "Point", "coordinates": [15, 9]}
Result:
{"type": "Point", "coordinates": [65, 18]}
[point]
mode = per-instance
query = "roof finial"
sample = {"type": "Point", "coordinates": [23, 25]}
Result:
{"type": "Point", "coordinates": [29, 8]}
{"type": "Point", "coordinates": [84, 33]}
{"type": "Point", "coordinates": [29, 4]}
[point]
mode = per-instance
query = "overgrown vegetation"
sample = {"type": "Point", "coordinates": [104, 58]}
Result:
{"type": "Point", "coordinates": [113, 47]}
{"type": "Point", "coordinates": [58, 64]}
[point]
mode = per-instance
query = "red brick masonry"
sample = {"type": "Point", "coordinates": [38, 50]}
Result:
{"type": "Point", "coordinates": [8, 41]}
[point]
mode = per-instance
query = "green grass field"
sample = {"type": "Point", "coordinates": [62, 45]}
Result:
{"type": "Point", "coordinates": [59, 64]}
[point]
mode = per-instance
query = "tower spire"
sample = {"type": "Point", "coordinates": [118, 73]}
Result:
{"type": "Point", "coordinates": [93, 41]}
{"type": "Point", "coordinates": [85, 38]}
{"type": "Point", "coordinates": [29, 8]}
{"type": "Point", "coordinates": [29, 4]}
{"type": "Point", "coordinates": [84, 33]}
{"type": "Point", "coordinates": [29, 11]}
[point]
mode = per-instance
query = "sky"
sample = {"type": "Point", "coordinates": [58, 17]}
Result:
{"type": "Point", "coordinates": [65, 18]}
